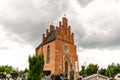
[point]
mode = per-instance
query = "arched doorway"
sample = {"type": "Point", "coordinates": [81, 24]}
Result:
{"type": "Point", "coordinates": [66, 67]}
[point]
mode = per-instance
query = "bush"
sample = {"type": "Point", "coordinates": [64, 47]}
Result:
{"type": "Point", "coordinates": [36, 64]}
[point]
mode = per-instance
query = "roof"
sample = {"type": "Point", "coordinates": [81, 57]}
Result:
{"type": "Point", "coordinates": [50, 38]}
{"type": "Point", "coordinates": [94, 75]}
{"type": "Point", "coordinates": [117, 76]}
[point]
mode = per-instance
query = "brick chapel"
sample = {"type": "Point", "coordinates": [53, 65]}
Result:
{"type": "Point", "coordinates": [59, 49]}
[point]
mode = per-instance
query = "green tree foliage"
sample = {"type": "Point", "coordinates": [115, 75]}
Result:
{"type": "Point", "coordinates": [91, 69]}
{"type": "Point", "coordinates": [6, 69]}
{"type": "Point", "coordinates": [9, 71]}
{"type": "Point", "coordinates": [102, 71]}
{"type": "Point", "coordinates": [21, 72]}
{"type": "Point", "coordinates": [82, 72]}
{"type": "Point", "coordinates": [110, 71]}
{"type": "Point", "coordinates": [36, 64]}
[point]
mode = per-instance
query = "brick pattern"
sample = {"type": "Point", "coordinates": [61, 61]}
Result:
{"type": "Point", "coordinates": [58, 56]}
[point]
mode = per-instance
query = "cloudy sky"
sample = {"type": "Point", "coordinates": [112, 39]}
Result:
{"type": "Point", "coordinates": [95, 23]}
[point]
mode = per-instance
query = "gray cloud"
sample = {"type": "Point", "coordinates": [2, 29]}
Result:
{"type": "Point", "coordinates": [3, 48]}
{"type": "Point", "coordinates": [29, 19]}
{"type": "Point", "coordinates": [101, 25]}
{"type": "Point", "coordinates": [95, 26]}
{"type": "Point", "coordinates": [84, 2]}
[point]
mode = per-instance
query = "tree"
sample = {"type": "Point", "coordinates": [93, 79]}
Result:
{"type": "Point", "coordinates": [112, 70]}
{"type": "Point", "coordinates": [21, 72]}
{"type": "Point", "coordinates": [91, 69]}
{"type": "Point", "coordinates": [6, 69]}
{"type": "Point", "coordinates": [102, 71]}
{"type": "Point", "coordinates": [82, 71]}
{"type": "Point", "coordinates": [36, 64]}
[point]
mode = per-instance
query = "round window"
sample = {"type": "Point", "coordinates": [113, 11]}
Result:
{"type": "Point", "coordinates": [66, 48]}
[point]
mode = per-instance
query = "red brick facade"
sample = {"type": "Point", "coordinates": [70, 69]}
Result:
{"type": "Point", "coordinates": [62, 54]}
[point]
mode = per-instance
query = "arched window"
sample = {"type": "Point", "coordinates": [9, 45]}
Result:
{"type": "Point", "coordinates": [48, 54]}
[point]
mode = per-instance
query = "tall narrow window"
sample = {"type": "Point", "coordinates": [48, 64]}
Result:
{"type": "Point", "coordinates": [48, 54]}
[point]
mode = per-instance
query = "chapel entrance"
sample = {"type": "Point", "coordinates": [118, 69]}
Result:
{"type": "Point", "coordinates": [66, 67]}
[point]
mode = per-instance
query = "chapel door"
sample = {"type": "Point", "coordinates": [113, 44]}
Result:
{"type": "Point", "coordinates": [66, 67]}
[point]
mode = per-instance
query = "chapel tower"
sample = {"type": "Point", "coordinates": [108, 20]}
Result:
{"type": "Point", "coordinates": [59, 49]}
